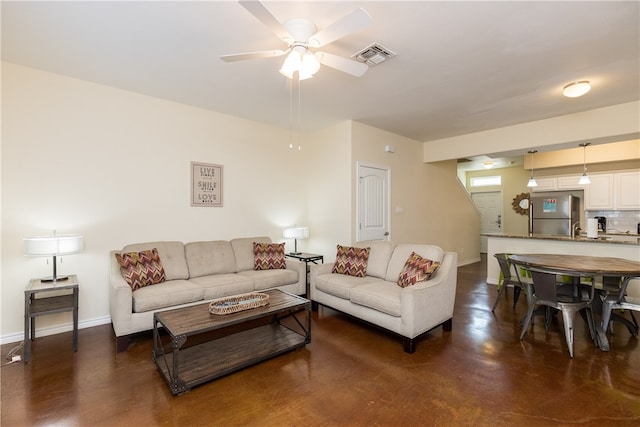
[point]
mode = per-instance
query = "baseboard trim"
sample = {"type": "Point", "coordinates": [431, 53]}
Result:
{"type": "Point", "coordinates": [469, 261]}
{"type": "Point", "coordinates": [53, 330]}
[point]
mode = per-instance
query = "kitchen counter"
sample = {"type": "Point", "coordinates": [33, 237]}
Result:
{"type": "Point", "coordinates": [618, 239]}
{"type": "Point", "coordinates": [624, 246]}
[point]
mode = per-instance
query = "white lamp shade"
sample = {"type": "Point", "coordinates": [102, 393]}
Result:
{"type": "Point", "coordinates": [57, 245]}
{"type": "Point", "coordinates": [296, 233]}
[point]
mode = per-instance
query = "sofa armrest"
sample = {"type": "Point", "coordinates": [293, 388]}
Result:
{"type": "Point", "coordinates": [120, 299]}
{"type": "Point", "coordinates": [315, 270]}
{"type": "Point", "coordinates": [300, 268]}
{"type": "Point", "coordinates": [427, 304]}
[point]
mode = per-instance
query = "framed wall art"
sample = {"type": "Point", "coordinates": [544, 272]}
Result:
{"type": "Point", "coordinates": [206, 184]}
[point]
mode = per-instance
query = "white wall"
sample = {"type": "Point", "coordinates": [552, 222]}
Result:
{"type": "Point", "coordinates": [114, 166]}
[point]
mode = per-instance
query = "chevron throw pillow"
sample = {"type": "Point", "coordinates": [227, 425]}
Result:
{"type": "Point", "coordinates": [416, 269]}
{"type": "Point", "coordinates": [141, 269]}
{"type": "Point", "coordinates": [268, 256]}
{"type": "Point", "coordinates": [351, 261]}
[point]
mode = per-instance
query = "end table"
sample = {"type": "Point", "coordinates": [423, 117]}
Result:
{"type": "Point", "coordinates": [306, 258]}
{"type": "Point", "coordinates": [48, 304]}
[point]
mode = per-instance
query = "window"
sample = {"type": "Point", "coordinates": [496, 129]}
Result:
{"type": "Point", "coordinates": [485, 181]}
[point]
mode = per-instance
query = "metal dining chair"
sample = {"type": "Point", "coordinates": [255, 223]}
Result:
{"type": "Point", "coordinates": [507, 280]}
{"type": "Point", "coordinates": [546, 292]}
{"type": "Point", "coordinates": [619, 301]}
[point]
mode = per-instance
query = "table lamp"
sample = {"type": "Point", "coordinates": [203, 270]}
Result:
{"type": "Point", "coordinates": [54, 245]}
{"type": "Point", "coordinates": [295, 233]}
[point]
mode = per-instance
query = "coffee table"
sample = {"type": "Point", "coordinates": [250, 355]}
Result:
{"type": "Point", "coordinates": [192, 346]}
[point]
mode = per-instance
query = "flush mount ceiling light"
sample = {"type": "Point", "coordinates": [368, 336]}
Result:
{"type": "Point", "coordinates": [532, 181]}
{"type": "Point", "coordinates": [584, 179]}
{"type": "Point", "coordinates": [576, 89]}
{"type": "Point", "coordinates": [488, 164]}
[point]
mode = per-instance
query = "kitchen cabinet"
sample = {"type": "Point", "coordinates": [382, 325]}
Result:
{"type": "Point", "coordinates": [569, 182]}
{"type": "Point", "coordinates": [545, 184]}
{"type": "Point", "coordinates": [599, 194]}
{"type": "Point", "coordinates": [627, 190]}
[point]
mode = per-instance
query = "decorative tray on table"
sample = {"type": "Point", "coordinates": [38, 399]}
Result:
{"type": "Point", "coordinates": [237, 303]}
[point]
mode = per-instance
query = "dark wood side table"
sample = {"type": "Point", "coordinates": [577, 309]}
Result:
{"type": "Point", "coordinates": [306, 258]}
{"type": "Point", "coordinates": [50, 301]}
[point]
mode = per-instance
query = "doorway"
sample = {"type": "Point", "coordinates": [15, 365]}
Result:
{"type": "Point", "coordinates": [373, 203]}
{"type": "Point", "coordinates": [490, 206]}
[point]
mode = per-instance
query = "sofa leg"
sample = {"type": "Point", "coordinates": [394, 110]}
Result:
{"type": "Point", "coordinates": [409, 345]}
{"type": "Point", "coordinates": [314, 306]}
{"type": "Point", "coordinates": [447, 325]}
{"type": "Point", "coordinates": [122, 343]}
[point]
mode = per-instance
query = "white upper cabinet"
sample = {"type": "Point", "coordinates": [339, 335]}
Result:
{"type": "Point", "coordinates": [569, 182]}
{"type": "Point", "coordinates": [546, 184]}
{"type": "Point", "coordinates": [599, 194]}
{"type": "Point", "coordinates": [627, 190]}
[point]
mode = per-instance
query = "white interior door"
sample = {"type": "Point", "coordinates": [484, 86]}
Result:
{"type": "Point", "coordinates": [490, 206]}
{"type": "Point", "coordinates": [373, 203]}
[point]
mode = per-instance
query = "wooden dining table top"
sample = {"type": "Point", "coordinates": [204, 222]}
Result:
{"type": "Point", "coordinates": [583, 264]}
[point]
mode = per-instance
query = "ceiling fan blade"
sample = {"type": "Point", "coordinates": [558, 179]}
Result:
{"type": "Point", "coordinates": [345, 65]}
{"type": "Point", "coordinates": [355, 21]}
{"type": "Point", "coordinates": [263, 15]}
{"type": "Point", "coordinates": [253, 55]}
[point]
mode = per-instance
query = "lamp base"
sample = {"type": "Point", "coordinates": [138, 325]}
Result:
{"type": "Point", "coordinates": [295, 253]}
{"type": "Point", "coordinates": [54, 279]}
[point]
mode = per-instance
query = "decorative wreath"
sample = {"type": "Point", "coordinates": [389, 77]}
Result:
{"type": "Point", "coordinates": [520, 203]}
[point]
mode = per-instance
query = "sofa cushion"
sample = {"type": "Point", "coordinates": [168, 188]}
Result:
{"type": "Point", "coordinates": [340, 285]}
{"type": "Point", "coordinates": [416, 269]}
{"type": "Point", "coordinates": [171, 254]}
{"type": "Point", "coordinates": [402, 252]}
{"type": "Point", "coordinates": [379, 256]}
{"type": "Point", "coordinates": [243, 251]}
{"type": "Point", "coordinates": [141, 269]}
{"type": "Point", "coordinates": [214, 257]}
{"type": "Point", "coordinates": [223, 285]}
{"type": "Point", "coordinates": [166, 294]}
{"type": "Point", "coordinates": [381, 296]}
{"type": "Point", "coordinates": [351, 261]}
{"type": "Point", "coordinates": [268, 256]}
{"type": "Point", "coordinates": [265, 279]}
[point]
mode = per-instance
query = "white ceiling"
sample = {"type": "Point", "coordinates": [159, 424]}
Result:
{"type": "Point", "coordinates": [461, 67]}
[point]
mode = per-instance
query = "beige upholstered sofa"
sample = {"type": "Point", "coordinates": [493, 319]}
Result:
{"type": "Point", "coordinates": [378, 299]}
{"type": "Point", "coordinates": [195, 273]}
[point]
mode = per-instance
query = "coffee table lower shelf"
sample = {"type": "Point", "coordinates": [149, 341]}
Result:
{"type": "Point", "coordinates": [213, 359]}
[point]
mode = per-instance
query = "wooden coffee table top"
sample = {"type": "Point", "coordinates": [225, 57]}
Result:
{"type": "Point", "coordinates": [197, 319]}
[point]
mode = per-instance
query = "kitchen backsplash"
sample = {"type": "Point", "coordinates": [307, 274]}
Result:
{"type": "Point", "coordinates": [619, 221]}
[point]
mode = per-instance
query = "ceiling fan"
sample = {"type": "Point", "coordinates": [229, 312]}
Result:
{"type": "Point", "coordinates": [301, 37]}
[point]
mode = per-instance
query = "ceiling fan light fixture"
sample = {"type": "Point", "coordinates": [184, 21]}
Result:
{"type": "Point", "coordinates": [305, 63]}
{"type": "Point", "coordinates": [576, 89]}
{"type": "Point", "coordinates": [310, 63]}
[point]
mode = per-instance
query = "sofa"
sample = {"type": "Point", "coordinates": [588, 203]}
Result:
{"type": "Point", "coordinates": [192, 273]}
{"type": "Point", "coordinates": [377, 299]}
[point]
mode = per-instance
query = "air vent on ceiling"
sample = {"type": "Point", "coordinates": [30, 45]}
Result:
{"type": "Point", "coordinates": [373, 54]}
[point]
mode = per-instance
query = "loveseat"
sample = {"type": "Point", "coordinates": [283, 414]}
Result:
{"type": "Point", "coordinates": [377, 298]}
{"type": "Point", "coordinates": [192, 273]}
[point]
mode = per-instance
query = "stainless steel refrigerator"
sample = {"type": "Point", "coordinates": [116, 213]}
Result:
{"type": "Point", "coordinates": [553, 214]}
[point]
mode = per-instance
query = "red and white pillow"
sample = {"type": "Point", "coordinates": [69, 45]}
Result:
{"type": "Point", "coordinates": [416, 269]}
{"type": "Point", "coordinates": [141, 269]}
{"type": "Point", "coordinates": [351, 261]}
{"type": "Point", "coordinates": [268, 256]}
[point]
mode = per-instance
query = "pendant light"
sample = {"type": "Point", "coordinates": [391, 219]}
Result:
{"type": "Point", "coordinates": [532, 181]}
{"type": "Point", "coordinates": [584, 179]}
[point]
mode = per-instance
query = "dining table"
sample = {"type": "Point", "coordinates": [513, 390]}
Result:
{"type": "Point", "coordinates": [578, 266]}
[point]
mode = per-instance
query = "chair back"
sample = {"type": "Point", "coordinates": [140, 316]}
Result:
{"type": "Point", "coordinates": [545, 287]}
{"type": "Point", "coordinates": [505, 266]}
